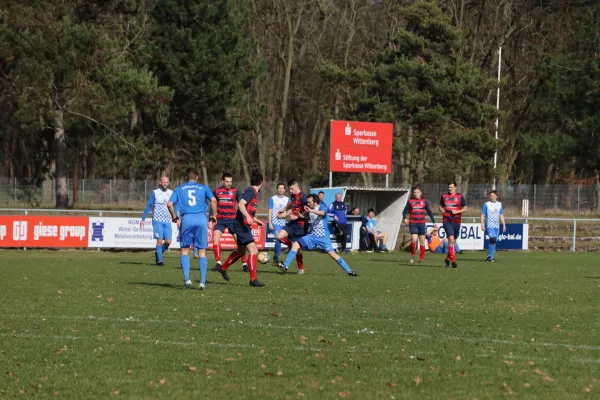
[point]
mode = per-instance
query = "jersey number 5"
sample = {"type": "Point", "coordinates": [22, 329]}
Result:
{"type": "Point", "coordinates": [192, 198]}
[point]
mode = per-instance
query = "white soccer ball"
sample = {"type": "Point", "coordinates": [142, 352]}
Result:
{"type": "Point", "coordinates": [263, 257]}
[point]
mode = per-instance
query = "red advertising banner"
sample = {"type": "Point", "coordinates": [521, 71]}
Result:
{"type": "Point", "coordinates": [41, 231]}
{"type": "Point", "coordinates": [228, 242]}
{"type": "Point", "coordinates": [361, 147]}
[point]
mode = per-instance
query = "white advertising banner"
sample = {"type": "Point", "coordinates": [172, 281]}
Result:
{"type": "Point", "coordinates": [125, 233]}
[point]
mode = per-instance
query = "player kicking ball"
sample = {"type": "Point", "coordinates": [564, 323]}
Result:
{"type": "Point", "coordinates": [317, 237]}
{"type": "Point", "coordinates": [492, 215]}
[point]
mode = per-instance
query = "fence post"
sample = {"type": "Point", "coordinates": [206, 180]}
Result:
{"type": "Point", "coordinates": [110, 192]}
{"type": "Point", "coordinates": [534, 193]}
{"type": "Point", "coordinates": [578, 207]}
{"type": "Point", "coordinates": [574, 248]}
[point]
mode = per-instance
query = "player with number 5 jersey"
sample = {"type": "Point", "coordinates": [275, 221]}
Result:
{"type": "Point", "coordinates": [192, 198]}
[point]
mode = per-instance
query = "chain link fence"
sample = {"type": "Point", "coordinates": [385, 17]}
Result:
{"type": "Point", "coordinates": [133, 194]}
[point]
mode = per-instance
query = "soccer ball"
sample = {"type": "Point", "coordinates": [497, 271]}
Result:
{"type": "Point", "coordinates": [263, 257]}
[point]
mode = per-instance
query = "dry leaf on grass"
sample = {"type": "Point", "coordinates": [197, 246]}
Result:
{"type": "Point", "coordinates": [276, 313]}
{"type": "Point", "coordinates": [209, 371]}
{"type": "Point", "coordinates": [279, 373]}
{"type": "Point", "coordinates": [303, 339]}
{"type": "Point", "coordinates": [343, 394]}
{"type": "Point", "coordinates": [116, 392]}
{"type": "Point", "coordinates": [509, 362]}
{"type": "Point", "coordinates": [129, 372]}
{"type": "Point", "coordinates": [192, 368]}
{"type": "Point", "coordinates": [110, 299]}
{"type": "Point", "coordinates": [418, 380]}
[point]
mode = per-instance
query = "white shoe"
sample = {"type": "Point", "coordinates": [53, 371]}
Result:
{"type": "Point", "coordinates": [202, 286]}
{"type": "Point", "coordinates": [188, 284]}
{"type": "Point", "coordinates": [301, 271]}
{"type": "Point", "coordinates": [412, 260]}
{"type": "Point", "coordinates": [196, 255]}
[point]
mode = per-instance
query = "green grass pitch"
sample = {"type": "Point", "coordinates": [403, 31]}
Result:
{"type": "Point", "coordinates": [85, 324]}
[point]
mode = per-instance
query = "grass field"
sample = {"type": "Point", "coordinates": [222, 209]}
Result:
{"type": "Point", "coordinates": [77, 324]}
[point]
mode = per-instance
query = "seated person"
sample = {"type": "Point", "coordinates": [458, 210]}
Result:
{"type": "Point", "coordinates": [437, 245]}
{"type": "Point", "coordinates": [367, 241]}
{"type": "Point", "coordinates": [378, 235]}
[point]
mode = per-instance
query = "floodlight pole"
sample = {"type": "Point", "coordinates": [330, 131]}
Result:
{"type": "Point", "coordinates": [387, 180]}
{"type": "Point", "coordinates": [497, 113]}
{"type": "Point", "coordinates": [330, 179]}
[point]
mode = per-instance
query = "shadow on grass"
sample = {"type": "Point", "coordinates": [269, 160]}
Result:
{"type": "Point", "coordinates": [180, 286]}
{"type": "Point", "coordinates": [592, 277]}
{"type": "Point", "coordinates": [136, 263]}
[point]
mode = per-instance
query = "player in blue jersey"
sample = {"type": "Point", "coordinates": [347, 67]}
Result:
{"type": "Point", "coordinates": [192, 198]}
{"type": "Point", "coordinates": [161, 219]}
{"type": "Point", "coordinates": [492, 215]}
{"type": "Point", "coordinates": [276, 203]}
{"type": "Point", "coordinates": [317, 237]}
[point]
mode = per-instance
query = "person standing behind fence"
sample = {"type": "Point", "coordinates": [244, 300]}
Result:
{"type": "Point", "coordinates": [491, 216]}
{"type": "Point", "coordinates": [340, 223]}
{"type": "Point", "coordinates": [417, 206]}
{"type": "Point", "coordinates": [452, 204]}
{"type": "Point", "coordinates": [161, 219]}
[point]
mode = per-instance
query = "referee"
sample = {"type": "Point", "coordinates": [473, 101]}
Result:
{"type": "Point", "coordinates": [340, 226]}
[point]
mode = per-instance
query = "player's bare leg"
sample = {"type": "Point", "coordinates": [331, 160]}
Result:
{"type": "Point", "coordinates": [282, 236]}
{"type": "Point", "coordinates": [342, 263]}
{"type": "Point", "coordinates": [217, 249]}
{"type": "Point", "coordinates": [384, 238]}
{"type": "Point", "coordinates": [413, 247]}
{"type": "Point", "coordinates": [423, 243]}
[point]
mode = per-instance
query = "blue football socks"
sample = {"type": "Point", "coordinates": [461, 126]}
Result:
{"type": "Point", "coordinates": [185, 267]}
{"type": "Point", "coordinates": [203, 264]}
{"type": "Point", "coordinates": [159, 251]}
{"type": "Point", "coordinates": [342, 263]}
{"type": "Point", "coordinates": [290, 258]}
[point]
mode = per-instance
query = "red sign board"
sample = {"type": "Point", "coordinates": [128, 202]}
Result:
{"type": "Point", "coordinates": [361, 147]}
{"type": "Point", "coordinates": [228, 242]}
{"type": "Point", "coordinates": [32, 231]}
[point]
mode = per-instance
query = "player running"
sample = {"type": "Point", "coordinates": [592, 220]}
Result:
{"type": "Point", "coordinates": [227, 199]}
{"type": "Point", "coordinates": [492, 215]}
{"type": "Point", "coordinates": [452, 204]}
{"type": "Point", "coordinates": [242, 228]}
{"type": "Point", "coordinates": [276, 224]}
{"type": "Point", "coordinates": [191, 197]}
{"type": "Point", "coordinates": [417, 206]}
{"type": "Point", "coordinates": [161, 219]}
{"type": "Point", "coordinates": [317, 237]}
{"type": "Point", "coordinates": [296, 227]}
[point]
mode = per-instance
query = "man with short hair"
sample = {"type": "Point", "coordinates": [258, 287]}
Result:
{"type": "Point", "coordinates": [296, 226]}
{"type": "Point", "coordinates": [338, 210]}
{"type": "Point", "coordinates": [378, 235]}
{"type": "Point", "coordinates": [276, 224]}
{"type": "Point", "coordinates": [317, 237]}
{"type": "Point", "coordinates": [321, 195]}
{"type": "Point", "coordinates": [192, 198]}
{"type": "Point", "coordinates": [161, 219]}
{"type": "Point", "coordinates": [492, 215]}
{"type": "Point", "coordinates": [227, 198]}
{"type": "Point", "coordinates": [453, 205]}
{"type": "Point", "coordinates": [242, 228]}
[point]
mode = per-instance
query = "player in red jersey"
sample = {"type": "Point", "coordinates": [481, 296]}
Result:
{"type": "Point", "coordinates": [297, 226]}
{"type": "Point", "coordinates": [227, 199]}
{"type": "Point", "coordinates": [242, 228]}
{"type": "Point", "coordinates": [417, 206]}
{"type": "Point", "coordinates": [452, 204]}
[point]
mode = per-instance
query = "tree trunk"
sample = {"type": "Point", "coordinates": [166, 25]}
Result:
{"type": "Point", "coordinates": [597, 190]}
{"type": "Point", "coordinates": [76, 180]}
{"type": "Point", "coordinates": [243, 161]}
{"type": "Point", "coordinates": [60, 151]}
{"type": "Point", "coordinates": [203, 167]}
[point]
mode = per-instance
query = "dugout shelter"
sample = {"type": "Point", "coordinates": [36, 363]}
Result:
{"type": "Point", "coordinates": [388, 204]}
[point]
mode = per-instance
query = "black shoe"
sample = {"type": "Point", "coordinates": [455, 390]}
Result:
{"type": "Point", "coordinates": [222, 272]}
{"type": "Point", "coordinates": [256, 283]}
{"type": "Point", "coordinates": [454, 264]}
{"type": "Point", "coordinates": [160, 264]}
{"type": "Point", "coordinates": [155, 257]}
{"type": "Point", "coordinates": [245, 268]}
{"type": "Point", "coordinates": [281, 267]}
{"type": "Point", "coordinates": [352, 273]}
{"type": "Point", "coordinates": [488, 259]}
{"type": "Point", "coordinates": [447, 263]}
{"type": "Point", "coordinates": [216, 267]}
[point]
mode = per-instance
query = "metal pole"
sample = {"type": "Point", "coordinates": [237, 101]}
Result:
{"type": "Point", "coordinates": [578, 208]}
{"type": "Point", "coordinates": [574, 248]}
{"type": "Point", "coordinates": [497, 113]}
{"type": "Point", "coordinates": [330, 179]}
{"type": "Point", "coordinates": [387, 180]}
{"type": "Point", "coordinates": [110, 192]}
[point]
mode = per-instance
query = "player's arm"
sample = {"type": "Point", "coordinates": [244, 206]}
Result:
{"type": "Point", "coordinates": [213, 206]}
{"type": "Point", "coordinates": [171, 206]}
{"type": "Point", "coordinates": [151, 202]}
{"type": "Point", "coordinates": [244, 211]}
{"type": "Point", "coordinates": [286, 211]}
{"type": "Point", "coordinates": [483, 215]}
{"type": "Point", "coordinates": [429, 212]}
{"type": "Point", "coordinates": [442, 205]}
{"type": "Point", "coordinates": [405, 211]}
{"type": "Point", "coordinates": [502, 219]}
{"type": "Point", "coordinates": [463, 205]}
{"type": "Point", "coordinates": [270, 217]}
